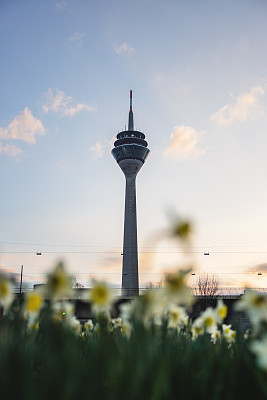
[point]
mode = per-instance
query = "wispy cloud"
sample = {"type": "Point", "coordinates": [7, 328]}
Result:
{"type": "Point", "coordinates": [183, 144]}
{"type": "Point", "coordinates": [77, 39]}
{"type": "Point", "coordinates": [58, 102]}
{"type": "Point", "coordinates": [97, 150]}
{"type": "Point", "coordinates": [245, 106]}
{"type": "Point", "coordinates": [24, 127]}
{"type": "Point", "coordinates": [124, 48]}
{"type": "Point", "coordinates": [10, 150]}
{"type": "Point", "coordinates": [61, 5]}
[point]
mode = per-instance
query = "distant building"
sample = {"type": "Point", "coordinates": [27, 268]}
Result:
{"type": "Point", "coordinates": [130, 151]}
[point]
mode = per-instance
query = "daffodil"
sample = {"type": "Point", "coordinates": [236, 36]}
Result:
{"type": "Point", "coordinates": [255, 304]}
{"type": "Point", "coordinates": [150, 307]}
{"type": "Point", "coordinates": [176, 289]}
{"type": "Point", "coordinates": [59, 284]}
{"type": "Point", "coordinates": [209, 320]}
{"type": "Point", "coordinates": [89, 325]}
{"type": "Point", "coordinates": [221, 311]}
{"type": "Point", "coordinates": [127, 310]}
{"type": "Point", "coordinates": [259, 348]}
{"type": "Point", "coordinates": [215, 336]}
{"type": "Point", "coordinates": [33, 302]}
{"type": "Point", "coordinates": [116, 322]}
{"type": "Point", "coordinates": [63, 311]}
{"type": "Point", "coordinates": [126, 329]}
{"type": "Point", "coordinates": [101, 296]}
{"type": "Point", "coordinates": [176, 316]}
{"type": "Point", "coordinates": [6, 292]}
{"type": "Point", "coordinates": [197, 328]}
{"type": "Point", "coordinates": [228, 334]}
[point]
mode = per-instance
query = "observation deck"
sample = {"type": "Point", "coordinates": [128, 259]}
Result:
{"type": "Point", "coordinates": [130, 145]}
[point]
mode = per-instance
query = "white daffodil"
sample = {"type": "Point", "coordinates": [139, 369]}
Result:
{"type": "Point", "coordinates": [63, 310]}
{"type": "Point", "coordinates": [116, 322]}
{"type": "Point", "coordinates": [101, 297]}
{"type": "Point", "coordinates": [126, 329]}
{"type": "Point", "coordinates": [215, 336]}
{"type": "Point", "coordinates": [127, 310]}
{"type": "Point", "coordinates": [197, 328]}
{"type": "Point", "coordinates": [176, 316]}
{"type": "Point", "coordinates": [259, 348]}
{"type": "Point", "coordinates": [228, 334]}
{"type": "Point", "coordinates": [255, 304]}
{"type": "Point", "coordinates": [59, 284]}
{"type": "Point", "coordinates": [176, 289]}
{"type": "Point", "coordinates": [150, 307]}
{"type": "Point", "coordinates": [89, 325]}
{"type": "Point", "coordinates": [6, 292]}
{"type": "Point", "coordinates": [209, 320]}
{"type": "Point", "coordinates": [74, 324]}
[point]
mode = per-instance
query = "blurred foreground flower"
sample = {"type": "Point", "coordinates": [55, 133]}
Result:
{"type": "Point", "coordinates": [255, 304]}
{"type": "Point", "coordinates": [101, 296]}
{"type": "Point", "coordinates": [209, 320]}
{"type": "Point", "coordinates": [176, 289]}
{"type": "Point", "coordinates": [182, 229]}
{"type": "Point", "coordinates": [259, 348]}
{"type": "Point", "coordinates": [59, 283]}
{"type": "Point", "coordinates": [221, 311]}
{"type": "Point", "coordinates": [33, 303]}
{"type": "Point", "coordinates": [177, 316]}
{"type": "Point", "coordinates": [6, 292]}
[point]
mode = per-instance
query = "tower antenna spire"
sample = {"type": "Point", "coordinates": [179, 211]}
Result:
{"type": "Point", "coordinates": [130, 122]}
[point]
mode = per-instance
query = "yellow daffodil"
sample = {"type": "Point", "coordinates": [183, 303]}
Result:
{"type": "Point", "coordinates": [6, 292]}
{"type": "Point", "coordinates": [33, 302]}
{"type": "Point", "coordinates": [221, 311]}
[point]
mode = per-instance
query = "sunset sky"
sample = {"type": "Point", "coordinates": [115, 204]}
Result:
{"type": "Point", "coordinates": [198, 71]}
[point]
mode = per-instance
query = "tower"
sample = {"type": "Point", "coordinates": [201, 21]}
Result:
{"type": "Point", "coordinates": [130, 151]}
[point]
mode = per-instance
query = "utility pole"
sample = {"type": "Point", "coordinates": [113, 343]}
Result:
{"type": "Point", "coordinates": [21, 273]}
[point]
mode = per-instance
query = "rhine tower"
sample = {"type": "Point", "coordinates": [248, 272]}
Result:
{"type": "Point", "coordinates": [130, 151]}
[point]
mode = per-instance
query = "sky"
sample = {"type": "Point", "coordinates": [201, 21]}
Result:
{"type": "Point", "coordinates": [198, 71]}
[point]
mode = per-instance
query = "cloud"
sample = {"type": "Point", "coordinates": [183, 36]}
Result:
{"type": "Point", "coordinates": [10, 150]}
{"type": "Point", "coordinates": [77, 39]}
{"type": "Point", "coordinates": [258, 268]}
{"type": "Point", "coordinates": [97, 150]}
{"type": "Point", "coordinates": [124, 48]}
{"type": "Point", "coordinates": [24, 127]}
{"type": "Point", "coordinates": [62, 5]}
{"type": "Point", "coordinates": [58, 102]}
{"type": "Point", "coordinates": [245, 106]}
{"type": "Point", "coordinates": [184, 144]}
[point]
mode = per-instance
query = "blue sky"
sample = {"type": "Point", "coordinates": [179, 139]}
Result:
{"type": "Point", "coordinates": [199, 81]}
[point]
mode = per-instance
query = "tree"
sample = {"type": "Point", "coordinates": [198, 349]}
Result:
{"type": "Point", "coordinates": [75, 283]}
{"type": "Point", "coordinates": [207, 285]}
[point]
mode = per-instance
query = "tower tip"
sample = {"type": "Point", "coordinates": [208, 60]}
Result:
{"type": "Point", "coordinates": [131, 123]}
{"type": "Point", "coordinates": [131, 101]}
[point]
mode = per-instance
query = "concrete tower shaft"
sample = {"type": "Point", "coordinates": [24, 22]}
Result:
{"type": "Point", "coordinates": [130, 151]}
